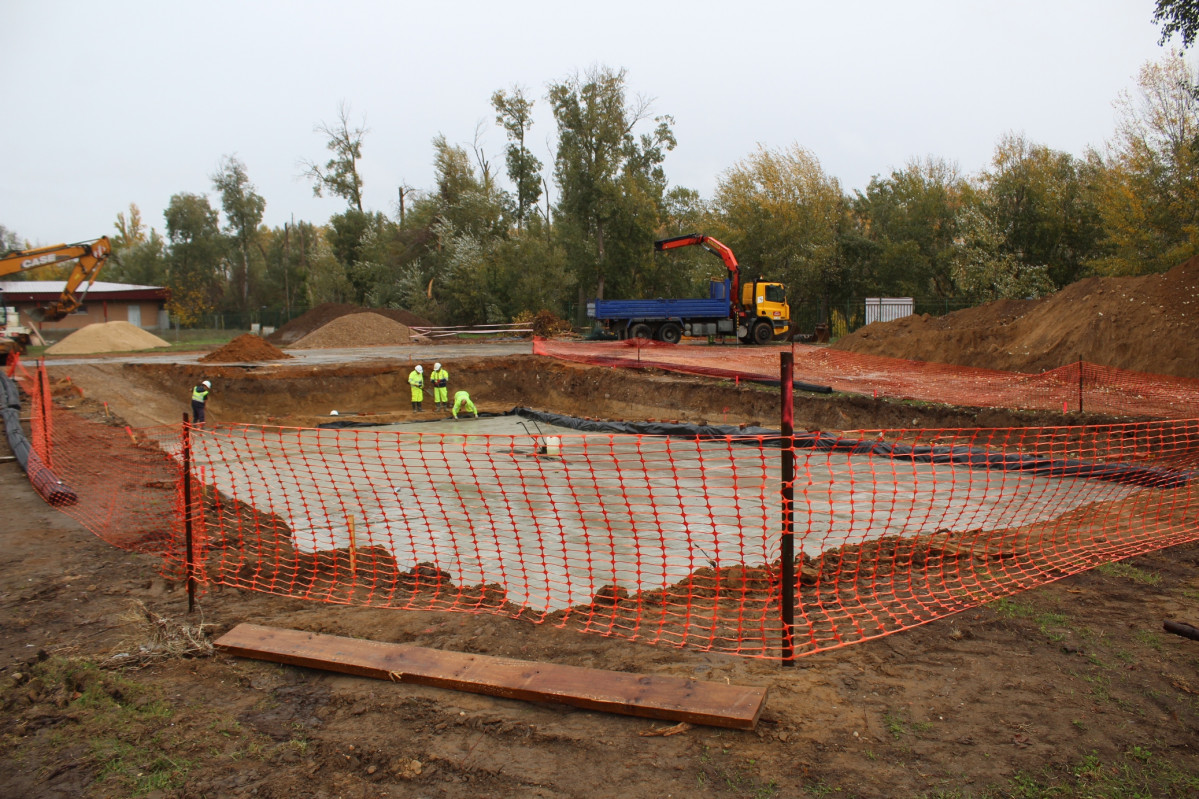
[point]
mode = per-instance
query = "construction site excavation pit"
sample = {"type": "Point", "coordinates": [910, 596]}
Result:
{"type": "Point", "coordinates": [556, 516]}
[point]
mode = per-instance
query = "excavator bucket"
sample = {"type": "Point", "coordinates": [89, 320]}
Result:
{"type": "Point", "coordinates": [48, 313]}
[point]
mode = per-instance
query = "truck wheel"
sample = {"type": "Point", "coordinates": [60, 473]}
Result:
{"type": "Point", "coordinates": [671, 333]}
{"type": "Point", "coordinates": [640, 330]}
{"type": "Point", "coordinates": [763, 333]}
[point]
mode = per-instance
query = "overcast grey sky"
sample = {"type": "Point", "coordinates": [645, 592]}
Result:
{"type": "Point", "coordinates": [124, 101]}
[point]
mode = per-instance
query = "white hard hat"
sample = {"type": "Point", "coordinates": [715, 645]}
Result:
{"type": "Point", "coordinates": [436, 367]}
{"type": "Point", "coordinates": [420, 368]}
{"type": "Point", "coordinates": [333, 412]}
{"type": "Point", "coordinates": [207, 384]}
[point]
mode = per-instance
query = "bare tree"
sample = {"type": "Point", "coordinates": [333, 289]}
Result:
{"type": "Point", "coordinates": [339, 176]}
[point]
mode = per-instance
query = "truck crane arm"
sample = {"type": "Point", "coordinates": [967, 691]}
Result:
{"type": "Point", "coordinates": [89, 257]}
{"type": "Point", "coordinates": [711, 245]}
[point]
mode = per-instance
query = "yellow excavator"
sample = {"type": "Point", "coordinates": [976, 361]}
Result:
{"type": "Point", "coordinates": [89, 257]}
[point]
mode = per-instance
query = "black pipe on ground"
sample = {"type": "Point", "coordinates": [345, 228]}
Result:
{"type": "Point", "coordinates": [43, 479]}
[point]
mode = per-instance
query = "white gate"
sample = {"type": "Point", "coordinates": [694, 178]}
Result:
{"type": "Point", "coordinates": [885, 309]}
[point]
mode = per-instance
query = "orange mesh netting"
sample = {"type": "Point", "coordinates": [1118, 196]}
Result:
{"type": "Point", "coordinates": [661, 539]}
{"type": "Point", "coordinates": [1076, 387]}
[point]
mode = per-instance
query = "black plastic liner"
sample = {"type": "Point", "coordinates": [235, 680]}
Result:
{"type": "Point", "coordinates": [1129, 474]}
{"type": "Point", "coordinates": [1124, 473]}
{"type": "Point", "coordinates": [42, 478]}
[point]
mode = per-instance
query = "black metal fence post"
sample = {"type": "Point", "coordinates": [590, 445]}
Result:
{"type": "Point", "coordinates": [787, 542]}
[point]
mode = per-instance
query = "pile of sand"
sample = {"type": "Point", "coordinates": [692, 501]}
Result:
{"type": "Point", "coordinates": [325, 313]}
{"type": "Point", "coordinates": [1148, 323]}
{"type": "Point", "coordinates": [357, 330]}
{"type": "Point", "coordinates": [244, 348]}
{"type": "Point", "coordinates": [107, 337]}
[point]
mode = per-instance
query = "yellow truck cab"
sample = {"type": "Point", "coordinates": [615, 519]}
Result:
{"type": "Point", "coordinates": [763, 300]}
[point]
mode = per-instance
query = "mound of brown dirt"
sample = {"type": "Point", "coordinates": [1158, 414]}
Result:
{"type": "Point", "coordinates": [107, 337]}
{"type": "Point", "coordinates": [1148, 323]}
{"type": "Point", "coordinates": [357, 330]}
{"type": "Point", "coordinates": [325, 313]}
{"type": "Point", "coordinates": [246, 347]}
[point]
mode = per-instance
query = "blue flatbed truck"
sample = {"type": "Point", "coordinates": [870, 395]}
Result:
{"type": "Point", "coordinates": [756, 311]}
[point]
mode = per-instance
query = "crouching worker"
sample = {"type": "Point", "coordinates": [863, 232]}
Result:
{"type": "Point", "coordinates": [462, 402]}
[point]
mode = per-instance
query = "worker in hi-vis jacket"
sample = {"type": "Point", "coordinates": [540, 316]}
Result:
{"type": "Point", "coordinates": [440, 380]}
{"type": "Point", "coordinates": [199, 399]}
{"type": "Point", "coordinates": [461, 399]}
{"type": "Point", "coordinates": [416, 379]}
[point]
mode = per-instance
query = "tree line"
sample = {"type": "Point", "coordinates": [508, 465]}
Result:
{"type": "Point", "coordinates": [486, 244]}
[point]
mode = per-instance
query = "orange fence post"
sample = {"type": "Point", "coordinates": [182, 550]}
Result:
{"type": "Point", "coordinates": [787, 543]}
{"type": "Point", "coordinates": [187, 514]}
{"type": "Point", "coordinates": [1080, 386]}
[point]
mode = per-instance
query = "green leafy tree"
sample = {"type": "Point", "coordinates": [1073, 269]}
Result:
{"type": "Point", "coordinates": [130, 229]}
{"type": "Point", "coordinates": [514, 112]}
{"type": "Point", "coordinates": [611, 182]}
{"type": "Point", "coordinates": [1148, 181]}
{"type": "Point", "coordinates": [465, 197]}
{"type": "Point", "coordinates": [783, 215]}
{"type": "Point", "coordinates": [9, 240]}
{"type": "Point", "coordinates": [1177, 16]}
{"type": "Point", "coordinates": [683, 272]}
{"type": "Point", "coordinates": [142, 261]}
{"type": "Point", "coordinates": [196, 261]}
{"type": "Point", "coordinates": [288, 253]}
{"type": "Point", "coordinates": [326, 279]}
{"type": "Point", "coordinates": [1041, 203]}
{"type": "Point", "coordinates": [243, 212]}
{"type": "Point", "coordinates": [359, 242]}
{"type": "Point", "coordinates": [339, 176]}
{"type": "Point", "coordinates": [903, 229]}
{"type": "Point", "coordinates": [535, 270]}
{"type": "Point", "coordinates": [983, 271]}
{"type": "Point", "coordinates": [467, 220]}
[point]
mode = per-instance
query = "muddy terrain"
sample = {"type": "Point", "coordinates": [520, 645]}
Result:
{"type": "Point", "coordinates": [110, 688]}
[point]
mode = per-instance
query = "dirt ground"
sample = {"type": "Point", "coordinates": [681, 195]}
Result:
{"type": "Point", "coordinates": [109, 688]}
{"type": "Point", "coordinates": [1148, 323]}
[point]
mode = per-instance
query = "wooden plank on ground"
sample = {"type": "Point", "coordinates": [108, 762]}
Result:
{"type": "Point", "coordinates": [646, 695]}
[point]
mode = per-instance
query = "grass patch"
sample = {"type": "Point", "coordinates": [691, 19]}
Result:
{"type": "Point", "coordinates": [1127, 571]}
{"type": "Point", "coordinates": [1053, 626]}
{"type": "Point", "coordinates": [1138, 772]}
{"type": "Point", "coordinates": [121, 730]}
{"type": "Point", "coordinates": [718, 772]}
{"type": "Point", "coordinates": [900, 724]}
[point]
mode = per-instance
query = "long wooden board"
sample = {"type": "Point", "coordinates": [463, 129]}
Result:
{"type": "Point", "coordinates": [646, 695]}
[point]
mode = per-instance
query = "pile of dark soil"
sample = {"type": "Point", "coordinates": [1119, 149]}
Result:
{"type": "Point", "coordinates": [1148, 323]}
{"type": "Point", "coordinates": [325, 313]}
{"type": "Point", "coordinates": [246, 347]}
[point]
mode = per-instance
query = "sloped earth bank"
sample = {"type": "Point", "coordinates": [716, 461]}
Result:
{"type": "Point", "coordinates": [1148, 323]}
{"type": "Point", "coordinates": [1072, 685]}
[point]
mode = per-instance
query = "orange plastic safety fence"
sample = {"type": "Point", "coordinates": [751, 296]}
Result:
{"type": "Point", "coordinates": [661, 540]}
{"type": "Point", "coordinates": [1078, 386]}
{"type": "Point", "coordinates": [121, 484]}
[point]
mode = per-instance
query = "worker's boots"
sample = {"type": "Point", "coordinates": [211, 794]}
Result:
{"type": "Point", "coordinates": [414, 408]}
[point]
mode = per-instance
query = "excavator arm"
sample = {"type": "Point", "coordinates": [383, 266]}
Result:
{"type": "Point", "coordinates": [711, 245]}
{"type": "Point", "coordinates": [89, 257]}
